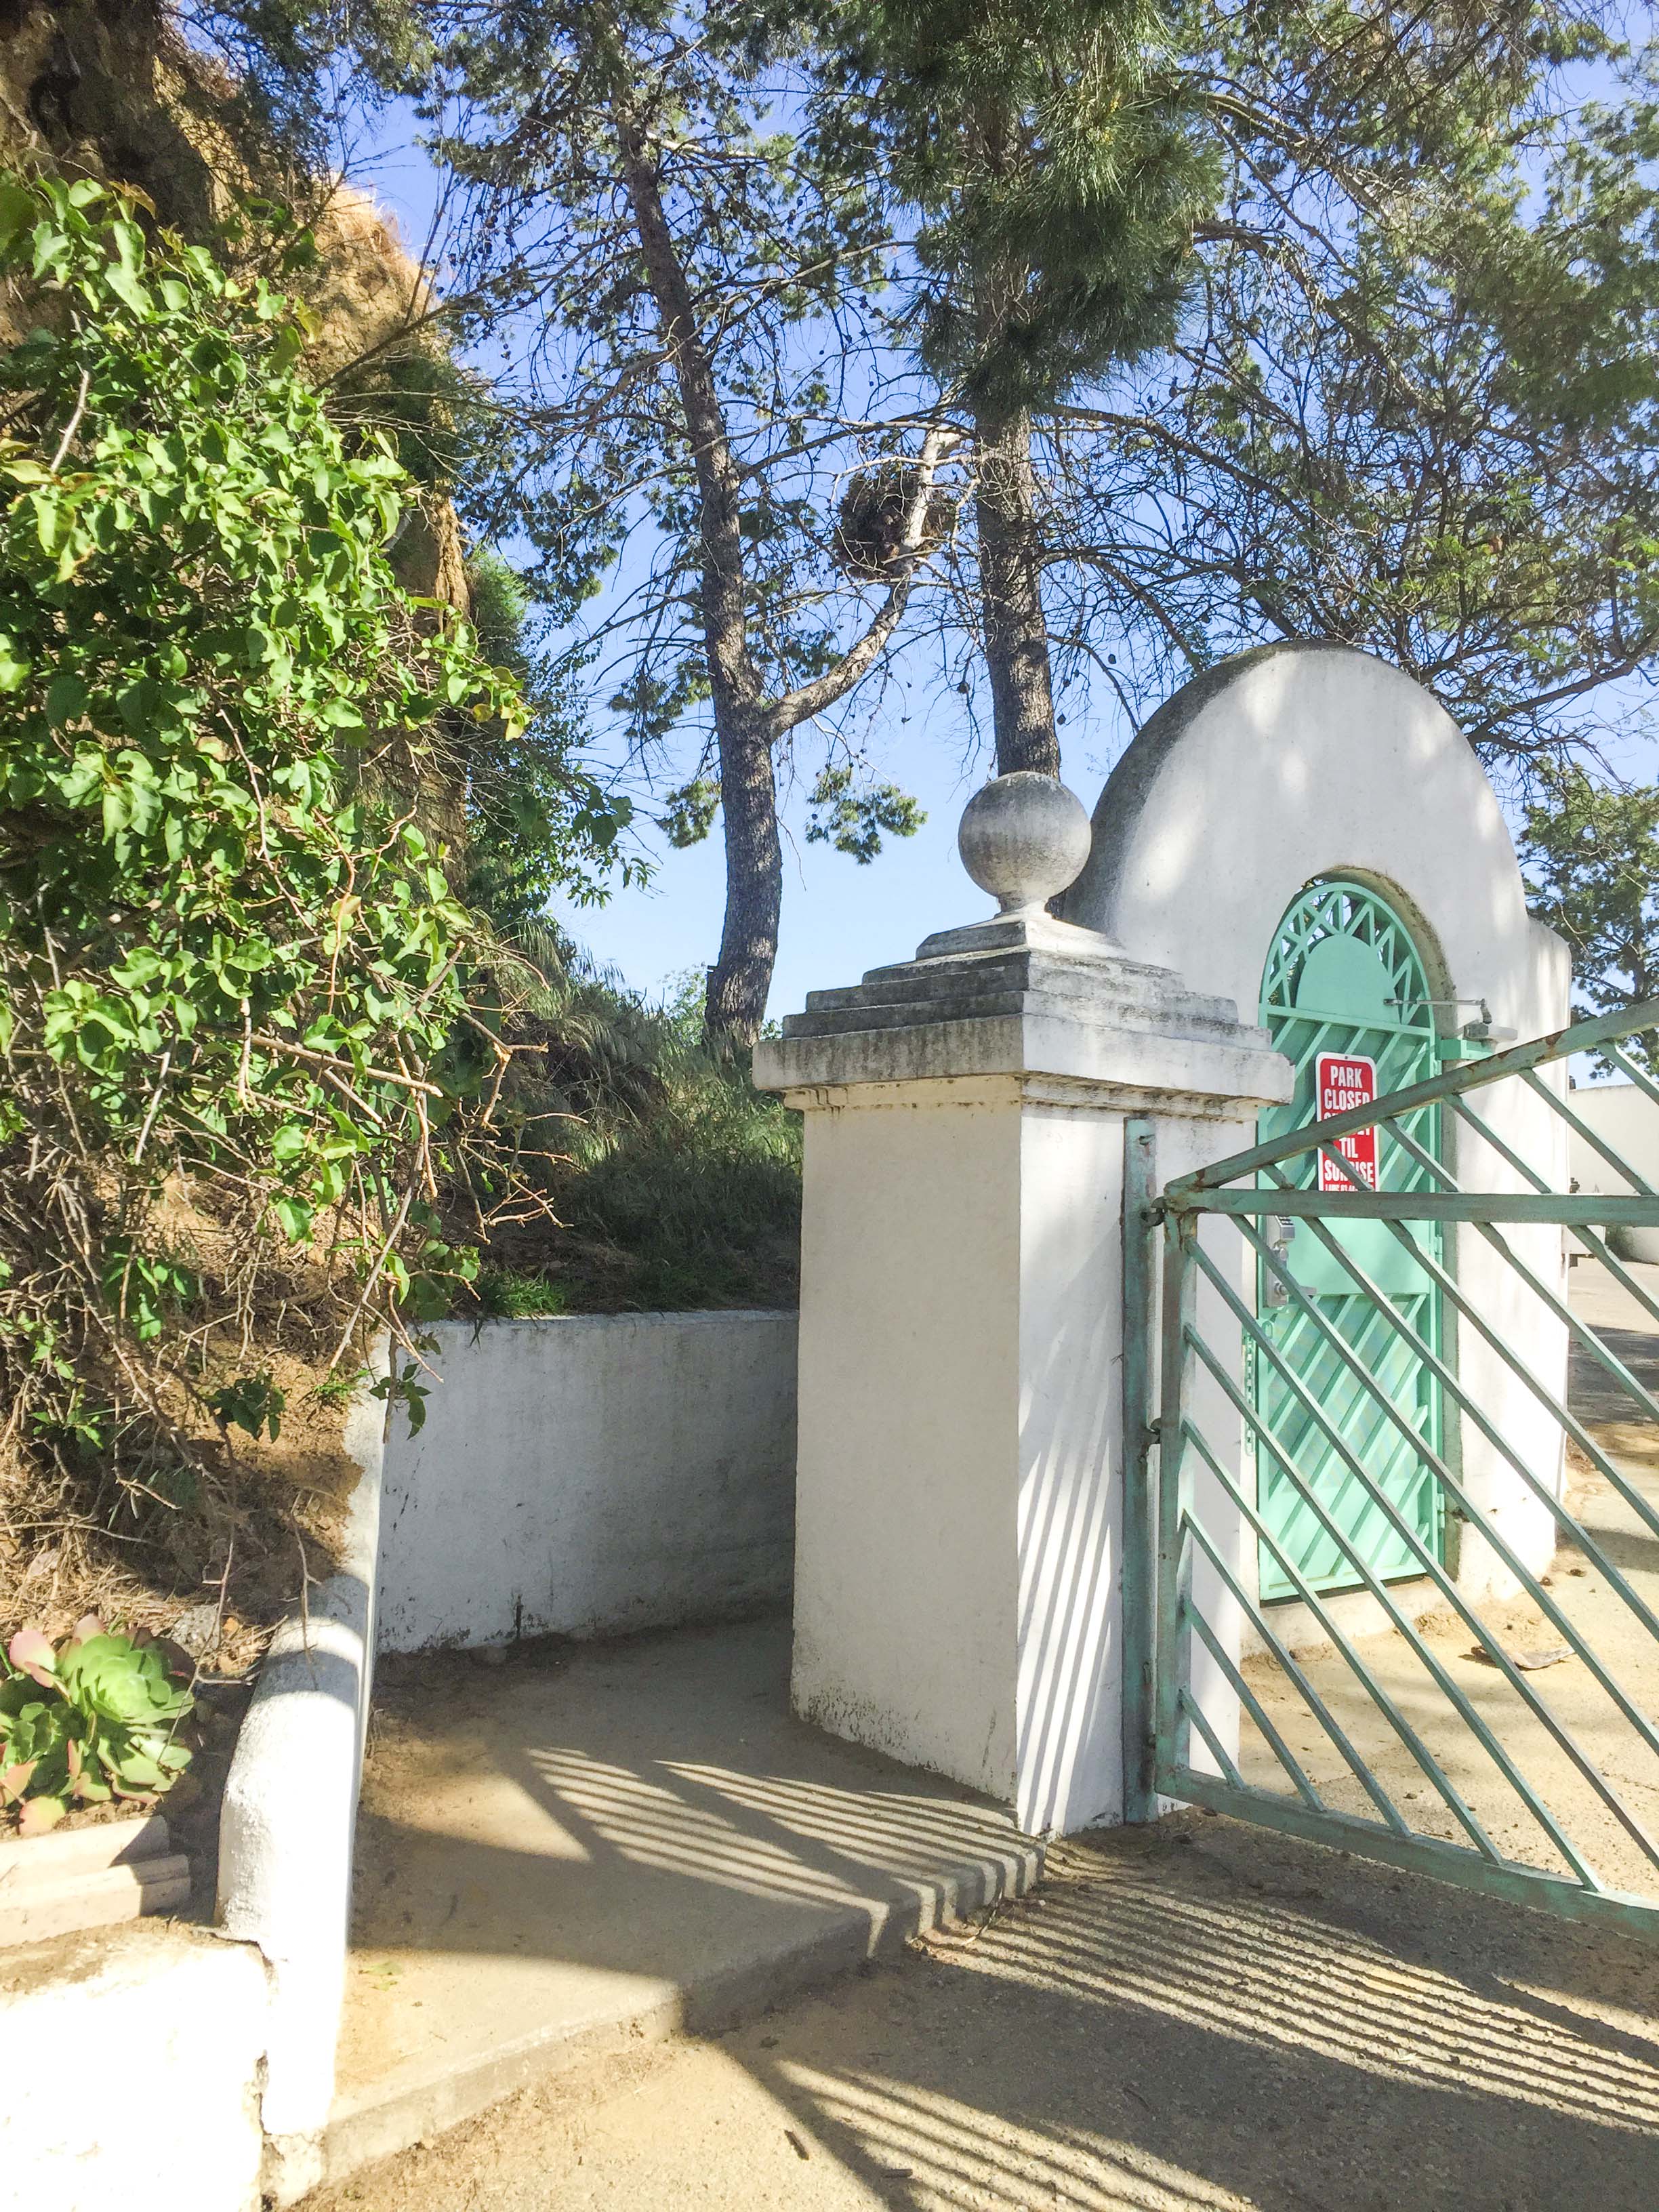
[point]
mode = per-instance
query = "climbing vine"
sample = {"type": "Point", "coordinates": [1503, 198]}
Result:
{"type": "Point", "coordinates": [237, 1057]}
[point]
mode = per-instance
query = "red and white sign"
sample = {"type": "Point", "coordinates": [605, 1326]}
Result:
{"type": "Point", "coordinates": [1343, 1081]}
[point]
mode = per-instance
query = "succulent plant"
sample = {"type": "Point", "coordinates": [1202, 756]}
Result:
{"type": "Point", "coordinates": [94, 1717]}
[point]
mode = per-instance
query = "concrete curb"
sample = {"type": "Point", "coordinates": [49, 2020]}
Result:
{"type": "Point", "coordinates": [291, 1812]}
{"type": "Point", "coordinates": [394, 2116]}
{"type": "Point", "coordinates": [132, 2058]}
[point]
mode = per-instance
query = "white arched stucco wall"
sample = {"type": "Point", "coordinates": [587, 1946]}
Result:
{"type": "Point", "coordinates": [1298, 761]}
{"type": "Point", "coordinates": [1301, 761]}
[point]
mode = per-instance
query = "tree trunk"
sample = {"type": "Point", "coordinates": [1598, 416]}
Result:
{"type": "Point", "coordinates": [747, 725]}
{"type": "Point", "coordinates": [735, 1005]}
{"type": "Point", "coordinates": [1011, 596]}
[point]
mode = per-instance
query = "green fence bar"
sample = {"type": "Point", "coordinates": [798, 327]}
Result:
{"type": "Point", "coordinates": [1535, 1703]}
{"type": "Point", "coordinates": [1586, 1236]}
{"type": "Point", "coordinates": [1453, 1486]}
{"type": "Point", "coordinates": [1396, 1720]}
{"type": "Point", "coordinates": [1139, 1501]}
{"type": "Point", "coordinates": [1518, 1884]}
{"type": "Point", "coordinates": [1349, 1417]}
{"type": "Point", "coordinates": [1559, 1412]}
{"type": "Point", "coordinates": [1179, 1279]}
{"type": "Point", "coordinates": [1193, 1712]}
{"type": "Point", "coordinates": [1576, 1121]}
{"type": "Point", "coordinates": [1414, 1205]}
{"type": "Point", "coordinates": [1579, 1330]}
{"type": "Point", "coordinates": [1287, 1662]}
{"type": "Point", "coordinates": [1628, 1067]}
{"type": "Point", "coordinates": [1470, 1718]}
{"type": "Point", "coordinates": [1581, 1036]}
{"type": "Point", "coordinates": [1195, 1621]}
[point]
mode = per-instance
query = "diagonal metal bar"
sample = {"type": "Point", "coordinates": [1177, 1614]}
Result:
{"type": "Point", "coordinates": [1638, 1076]}
{"type": "Point", "coordinates": [1224, 1758]}
{"type": "Point", "coordinates": [1450, 1482]}
{"type": "Point", "coordinates": [1587, 1236]}
{"type": "Point", "coordinates": [1582, 1333]}
{"type": "Point", "coordinates": [1579, 1036]}
{"type": "Point", "coordinates": [1472, 1719]}
{"type": "Point", "coordinates": [1253, 1705]}
{"type": "Point", "coordinates": [1577, 1122]}
{"type": "Point", "coordinates": [1536, 1703]}
{"type": "Point", "coordinates": [1290, 1667]}
{"type": "Point", "coordinates": [1396, 1720]}
{"type": "Point", "coordinates": [1566, 1419]}
{"type": "Point", "coordinates": [1580, 1329]}
{"type": "Point", "coordinates": [1362, 1204]}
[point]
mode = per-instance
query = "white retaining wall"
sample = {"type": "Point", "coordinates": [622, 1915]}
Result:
{"type": "Point", "coordinates": [290, 1818]}
{"type": "Point", "coordinates": [591, 1475]}
{"type": "Point", "coordinates": [132, 2060]}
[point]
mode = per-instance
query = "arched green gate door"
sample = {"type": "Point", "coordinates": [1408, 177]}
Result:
{"type": "Point", "coordinates": [1346, 998]}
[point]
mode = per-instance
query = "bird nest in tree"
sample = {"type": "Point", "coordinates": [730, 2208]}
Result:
{"type": "Point", "coordinates": [870, 529]}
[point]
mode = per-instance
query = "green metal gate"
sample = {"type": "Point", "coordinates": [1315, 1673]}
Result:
{"type": "Point", "coordinates": [1346, 989]}
{"type": "Point", "coordinates": [1493, 1723]}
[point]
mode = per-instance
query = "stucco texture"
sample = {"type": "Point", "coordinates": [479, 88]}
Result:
{"type": "Point", "coordinates": [1299, 762]}
{"type": "Point", "coordinates": [591, 1476]}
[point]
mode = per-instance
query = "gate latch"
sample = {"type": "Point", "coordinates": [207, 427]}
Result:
{"type": "Point", "coordinates": [1281, 1230]}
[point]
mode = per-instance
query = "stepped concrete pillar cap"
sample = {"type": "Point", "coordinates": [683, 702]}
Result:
{"type": "Point", "coordinates": [1026, 995]}
{"type": "Point", "coordinates": [1025, 838]}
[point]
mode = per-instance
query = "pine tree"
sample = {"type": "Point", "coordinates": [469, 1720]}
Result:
{"type": "Point", "coordinates": [1591, 853]}
{"type": "Point", "coordinates": [695, 264]}
{"type": "Point", "coordinates": [1276, 321]}
{"type": "Point", "coordinates": [1057, 176]}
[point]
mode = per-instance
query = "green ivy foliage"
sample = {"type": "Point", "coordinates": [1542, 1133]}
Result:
{"type": "Point", "coordinates": [233, 966]}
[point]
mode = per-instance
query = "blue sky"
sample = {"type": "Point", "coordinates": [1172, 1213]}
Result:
{"type": "Point", "coordinates": [839, 918]}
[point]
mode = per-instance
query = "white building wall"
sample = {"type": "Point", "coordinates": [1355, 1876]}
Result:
{"type": "Point", "coordinates": [1294, 763]}
{"type": "Point", "coordinates": [1624, 1116]}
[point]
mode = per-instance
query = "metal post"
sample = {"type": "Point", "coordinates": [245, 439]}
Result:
{"type": "Point", "coordinates": [1139, 1501]}
{"type": "Point", "coordinates": [1179, 1290]}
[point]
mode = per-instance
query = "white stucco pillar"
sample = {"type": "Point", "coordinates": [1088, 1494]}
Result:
{"type": "Point", "coordinates": [959, 1506]}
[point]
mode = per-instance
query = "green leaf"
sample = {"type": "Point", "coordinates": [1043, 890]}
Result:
{"type": "Point", "coordinates": [66, 699]}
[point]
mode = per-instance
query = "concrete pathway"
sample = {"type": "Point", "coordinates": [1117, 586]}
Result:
{"type": "Point", "coordinates": [1185, 2019]}
{"type": "Point", "coordinates": [1627, 1328]}
{"type": "Point", "coordinates": [594, 1844]}
{"type": "Point", "coordinates": [567, 1860]}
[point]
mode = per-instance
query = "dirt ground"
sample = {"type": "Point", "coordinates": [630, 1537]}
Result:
{"type": "Point", "coordinates": [1196, 2016]}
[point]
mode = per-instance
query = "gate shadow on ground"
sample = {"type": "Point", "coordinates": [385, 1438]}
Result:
{"type": "Point", "coordinates": [1196, 2016]}
{"type": "Point", "coordinates": [1157, 2032]}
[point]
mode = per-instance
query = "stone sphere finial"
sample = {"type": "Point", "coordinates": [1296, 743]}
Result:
{"type": "Point", "coordinates": [1025, 838]}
